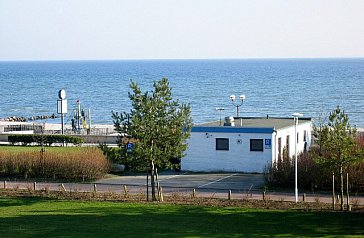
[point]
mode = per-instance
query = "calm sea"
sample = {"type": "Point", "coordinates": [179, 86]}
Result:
{"type": "Point", "coordinates": [277, 87]}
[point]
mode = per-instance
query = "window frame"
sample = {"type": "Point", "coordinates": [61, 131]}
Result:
{"type": "Point", "coordinates": [219, 147]}
{"type": "Point", "coordinates": [261, 149]}
{"type": "Point", "coordinates": [304, 136]}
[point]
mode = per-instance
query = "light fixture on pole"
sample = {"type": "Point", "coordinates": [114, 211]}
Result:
{"type": "Point", "coordinates": [237, 104]}
{"type": "Point", "coordinates": [62, 107]}
{"type": "Point", "coordinates": [295, 117]}
{"type": "Point", "coordinates": [220, 109]}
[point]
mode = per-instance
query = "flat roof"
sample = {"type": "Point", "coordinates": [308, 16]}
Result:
{"type": "Point", "coordinates": [258, 122]}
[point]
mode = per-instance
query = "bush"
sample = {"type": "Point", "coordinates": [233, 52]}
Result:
{"type": "Point", "coordinates": [119, 155]}
{"type": "Point", "coordinates": [78, 164]}
{"type": "Point", "coordinates": [41, 139]}
{"type": "Point", "coordinates": [311, 175]}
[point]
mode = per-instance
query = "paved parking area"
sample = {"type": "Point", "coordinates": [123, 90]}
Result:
{"type": "Point", "coordinates": [215, 181]}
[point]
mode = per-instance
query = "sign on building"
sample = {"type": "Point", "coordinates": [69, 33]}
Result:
{"type": "Point", "coordinates": [268, 144]}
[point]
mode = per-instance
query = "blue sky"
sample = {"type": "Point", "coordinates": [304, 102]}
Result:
{"type": "Point", "coordinates": [180, 29]}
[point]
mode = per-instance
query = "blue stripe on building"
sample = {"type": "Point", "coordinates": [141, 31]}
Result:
{"type": "Point", "coordinates": [231, 129]}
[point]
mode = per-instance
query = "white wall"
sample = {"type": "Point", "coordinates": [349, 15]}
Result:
{"type": "Point", "coordinates": [203, 156]}
{"type": "Point", "coordinates": [291, 132]}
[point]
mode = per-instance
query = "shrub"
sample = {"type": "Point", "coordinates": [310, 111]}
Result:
{"type": "Point", "coordinates": [120, 155]}
{"type": "Point", "coordinates": [311, 175]}
{"type": "Point", "coordinates": [78, 164]}
{"type": "Point", "coordinates": [42, 139]}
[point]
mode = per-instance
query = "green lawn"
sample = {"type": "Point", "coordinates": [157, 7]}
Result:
{"type": "Point", "coordinates": [35, 217]}
{"type": "Point", "coordinates": [9, 148]}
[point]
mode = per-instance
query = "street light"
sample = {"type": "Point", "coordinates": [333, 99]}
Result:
{"type": "Point", "coordinates": [220, 109]}
{"type": "Point", "coordinates": [295, 117]}
{"type": "Point", "coordinates": [62, 106]}
{"type": "Point", "coordinates": [238, 104]}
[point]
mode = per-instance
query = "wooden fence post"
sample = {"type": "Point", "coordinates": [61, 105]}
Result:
{"type": "Point", "coordinates": [161, 195]}
{"type": "Point", "coordinates": [63, 187]}
{"type": "Point", "coordinates": [95, 188]}
{"type": "Point", "coordinates": [5, 187]}
{"type": "Point", "coordinates": [125, 190]}
{"type": "Point", "coordinates": [229, 195]}
{"type": "Point", "coordinates": [34, 186]}
{"type": "Point", "coordinates": [304, 197]}
{"type": "Point", "coordinates": [158, 184]}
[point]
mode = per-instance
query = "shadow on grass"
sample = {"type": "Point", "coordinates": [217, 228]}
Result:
{"type": "Point", "coordinates": [96, 219]}
{"type": "Point", "coordinates": [8, 202]}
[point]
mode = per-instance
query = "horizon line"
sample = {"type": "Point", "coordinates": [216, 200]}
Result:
{"type": "Point", "coordinates": [180, 59]}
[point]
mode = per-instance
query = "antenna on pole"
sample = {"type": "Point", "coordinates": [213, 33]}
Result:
{"type": "Point", "coordinates": [220, 109]}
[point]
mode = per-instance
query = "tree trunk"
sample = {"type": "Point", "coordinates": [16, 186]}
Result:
{"type": "Point", "coordinates": [152, 181]}
{"type": "Point", "coordinates": [347, 192]}
{"type": "Point", "coordinates": [341, 188]}
{"type": "Point", "coordinates": [333, 191]}
{"type": "Point", "coordinates": [147, 184]}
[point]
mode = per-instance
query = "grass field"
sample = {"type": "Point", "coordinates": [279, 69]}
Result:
{"type": "Point", "coordinates": [35, 217]}
{"type": "Point", "coordinates": [9, 148]}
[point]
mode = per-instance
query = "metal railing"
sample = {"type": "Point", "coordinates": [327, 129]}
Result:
{"type": "Point", "coordinates": [35, 128]}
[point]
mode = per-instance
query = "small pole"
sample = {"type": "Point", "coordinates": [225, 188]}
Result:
{"type": "Point", "coordinates": [158, 185]}
{"type": "Point", "coordinates": [229, 195]}
{"type": "Point", "coordinates": [347, 192]}
{"type": "Point", "coordinates": [63, 187]}
{"type": "Point", "coordinates": [194, 193]}
{"type": "Point", "coordinates": [95, 188]}
{"type": "Point", "coordinates": [147, 185]}
{"type": "Point", "coordinates": [125, 190]}
{"type": "Point", "coordinates": [263, 195]}
{"type": "Point", "coordinates": [62, 123]}
{"type": "Point", "coordinates": [161, 195]}
{"type": "Point", "coordinates": [89, 119]}
{"type": "Point", "coordinates": [295, 159]}
{"type": "Point", "coordinates": [34, 186]}
{"type": "Point", "coordinates": [333, 191]}
{"type": "Point", "coordinates": [5, 185]}
{"type": "Point", "coordinates": [304, 197]}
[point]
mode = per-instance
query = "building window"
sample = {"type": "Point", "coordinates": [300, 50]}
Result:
{"type": "Point", "coordinates": [304, 136]}
{"type": "Point", "coordinates": [222, 144]}
{"type": "Point", "coordinates": [280, 147]}
{"type": "Point", "coordinates": [256, 144]}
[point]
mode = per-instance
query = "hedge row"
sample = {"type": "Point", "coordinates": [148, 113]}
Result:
{"type": "Point", "coordinates": [41, 139]}
{"type": "Point", "coordinates": [79, 164]}
{"type": "Point", "coordinates": [312, 176]}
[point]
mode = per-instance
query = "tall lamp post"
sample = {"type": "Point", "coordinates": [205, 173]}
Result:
{"type": "Point", "coordinates": [237, 104]}
{"type": "Point", "coordinates": [62, 106]}
{"type": "Point", "coordinates": [295, 117]}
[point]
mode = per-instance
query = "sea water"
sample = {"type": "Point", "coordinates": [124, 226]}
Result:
{"type": "Point", "coordinates": [274, 87]}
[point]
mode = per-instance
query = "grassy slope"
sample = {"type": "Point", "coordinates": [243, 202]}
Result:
{"type": "Point", "coordinates": [32, 217]}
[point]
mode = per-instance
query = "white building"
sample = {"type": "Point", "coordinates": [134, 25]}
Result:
{"type": "Point", "coordinates": [244, 144]}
